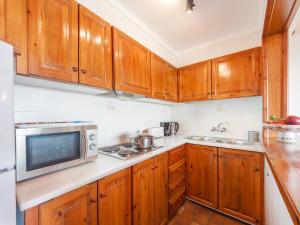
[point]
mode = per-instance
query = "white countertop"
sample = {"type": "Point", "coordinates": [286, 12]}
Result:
{"type": "Point", "coordinates": [38, 190]}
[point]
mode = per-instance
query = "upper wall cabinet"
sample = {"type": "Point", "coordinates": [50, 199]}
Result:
{"type": "Point", "coordinates": [95, 54]}
{"type": "Point", "coordinates": [53, 39]}
{"type": "Point", "coordinates": [195, 82]}
{"type": "Point", "coordinates": [237, 75]}
{"type": "Point", "coordinates": [159, 76]}
{"type": "Point", "coordinates": [163, 79]}
{"type": "Point", "coordinates": [131, 65]}
{"type": "Point", "coordinates": [13, 29]}
{"type": "Point", "coordinates": [172, 85]}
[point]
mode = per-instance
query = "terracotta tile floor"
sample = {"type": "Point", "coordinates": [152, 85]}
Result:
{"type": "Point", "coordinates": [193, 214]}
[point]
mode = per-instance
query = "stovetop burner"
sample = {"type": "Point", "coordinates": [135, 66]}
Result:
{"type": "Point", "coordinates": [126, 145]}
{"type": "Point", "coordinates": [125, 151]}
{"type": "Point", "coordinates": [110, 149]}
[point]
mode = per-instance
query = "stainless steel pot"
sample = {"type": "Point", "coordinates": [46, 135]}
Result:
{"type": "Point", "coordinates": [143, 141]}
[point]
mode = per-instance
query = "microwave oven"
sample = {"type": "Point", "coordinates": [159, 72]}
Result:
{"type": "Point", "coordinates": [43, 148]}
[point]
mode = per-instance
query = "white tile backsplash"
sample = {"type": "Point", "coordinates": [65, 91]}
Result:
{"type": "Point", "coordinates": [117, 119]}
{"type": "Point", "coordinates": [241, 115]}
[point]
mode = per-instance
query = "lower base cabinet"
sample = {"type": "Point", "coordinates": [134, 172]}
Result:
{"type": "Point", "coordinates": [177, 179]}
{"type": "Point", "coordinates": [150, 194]}
{"type": "Point", "coordinates": [240, 184]}
{"type": "Point", "coordinates": [78, 207]}
{"type": "Point", "coordinates": [228, 180]}
{"type": "Point", "coordinates": [276, 212]}
{"type": "Point", "coordinates": [202, 166]}
{"type": "Point", "coordinates": [114, 199]}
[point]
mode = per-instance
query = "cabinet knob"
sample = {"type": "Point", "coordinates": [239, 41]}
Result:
{"type": "Point", "coordinates": [102, 195]}
{"type": "Point", "coordinates": [93, 200]}
{"type": "Point", "coordinates": [83, 71]}
{"type": "Point", "coordinates": [75, 69]}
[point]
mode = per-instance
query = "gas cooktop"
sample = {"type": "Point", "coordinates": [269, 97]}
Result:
{"type": "Point", "coordinates": [125, 151]}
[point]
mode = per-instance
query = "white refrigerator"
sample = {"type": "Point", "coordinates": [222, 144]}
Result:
{"type": "Point", "coordinates": [7, 138]}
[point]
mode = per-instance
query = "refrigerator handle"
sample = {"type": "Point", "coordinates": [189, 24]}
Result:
{"type": "Point", "coordinates": [6, 170]}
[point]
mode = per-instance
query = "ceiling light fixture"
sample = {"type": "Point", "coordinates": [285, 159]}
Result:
{"type": "Point", "coordinates": [190, 6]}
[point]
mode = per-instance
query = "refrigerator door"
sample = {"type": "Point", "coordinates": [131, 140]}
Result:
{"type": "Point", "coordinates": [8, 198]}
{"type": "Point", "coordinates": [7, 131]}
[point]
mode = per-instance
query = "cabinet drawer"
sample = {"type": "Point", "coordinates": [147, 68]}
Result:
{"type": "Point", "coordinates": [176, 186]}
{"type": "Point", "coordinates": [176, 202]}
{"type": "Point", "coordinates": [176, 155]}
{"type": "Point", "coordinates": [177, 171]}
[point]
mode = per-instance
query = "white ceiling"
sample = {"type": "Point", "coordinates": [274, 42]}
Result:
{"type": "Point", "coordinates": [211, 22]}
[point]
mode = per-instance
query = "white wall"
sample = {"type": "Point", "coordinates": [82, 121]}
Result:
{"type": "Point", "coordinates": [114, 117]}
{"type": "Point", "coordinates": [294, 67]}
{"type": "Point", "coordinates": [241, 114]}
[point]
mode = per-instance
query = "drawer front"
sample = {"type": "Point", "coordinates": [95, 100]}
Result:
{"type": "Point", "coordinates": [176, 202]}
{"type": "Point", "coordinates": [177, 171]}
{"type": "Point", "coordinates": [176, 155]}
{"type": "Point", "coordinates": [175, 187]}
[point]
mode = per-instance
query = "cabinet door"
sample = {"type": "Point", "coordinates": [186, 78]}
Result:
{"type": "Point", "coordinates": [95, 50]}
{"type": "Point", "coordinates": [143, 193]}
{"type": "Point", "coordinates": [53, 39]}
{"type": "Point", "coordinates": [202, 174]}
{"type": "Point", "coordinates": [159, 75]}
{"type": "Point", "coordinates": [240, 184]}
{"type": "Point", "coordinates": [75, 208]}
{"type": "Point", "coordinates": [13, 29]}
{"type": "Point", "coordinates": [237, 75]}
{"type": "Point", "coordinates": [114, 204]}
{"type": "Point", "coordinates": [131, 65]}
{"type": "Point", "coordinates": [161, 189]}
{"type": "Point", "coordinates": [171, 85]}
{"type": "Point", "coordinates": [276, 212]}
{"type": "Point", "coordinates": [195, 82]}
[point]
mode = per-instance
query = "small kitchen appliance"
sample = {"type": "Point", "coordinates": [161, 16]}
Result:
{"type": "Point", "coordinates": [156, 132]}
{"type": "Point", "coordinates": [170, 128]}
{"type": "Point", "coordinates": [42, 148]}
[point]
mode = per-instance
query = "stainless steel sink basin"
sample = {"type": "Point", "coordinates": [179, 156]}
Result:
{"type": "Point", "coordinates": [231, 141]}
{"type": "Point", "coordinates": [200, 138]}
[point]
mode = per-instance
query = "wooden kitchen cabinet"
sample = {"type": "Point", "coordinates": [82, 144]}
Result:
{"type": "Point", "coordinates": [114, 199]}
{"type": "Point", "coordinates": [195, 82]}
{"type": "Point", "coordinates": [163, 79]}
{"type": "Point", "coordinates": [75, 208]}
{"type": "Point", "coordinates": [53, 39]}
{"type": "Point", "coordinates": [172, 85]}
{"type": "Point", "coordinates": [202, 174]}
{"type": "Point", "coordinates": [161, 189]}
{"type": "Point", "coordinates": [131, 65]}
{"type": "Point", "coordinates": [13, 29]}
{"type": "Point", "coordinates": [237, 75]}
{"type": "Point", "coordinates": [177, 179]}
{"type": "Point", "coordinates": [240, 184]}
{"type": "Point", "coordinates": [159, 76]}
{"type": "Point", "coordinates": [95, 50]}
{"type": "Point", "coordinates": [143, 193]}
{"type": "Point", "coordinates": [150, 180]}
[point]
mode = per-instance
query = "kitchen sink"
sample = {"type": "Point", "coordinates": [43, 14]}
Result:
{"type": "Point", "coordinates": [231, 141]}
{"type": "Point", "coordinates": [201, 138]}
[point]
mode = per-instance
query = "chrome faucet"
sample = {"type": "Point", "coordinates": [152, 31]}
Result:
{"type": "Point", "coordinates": [220, 128]}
